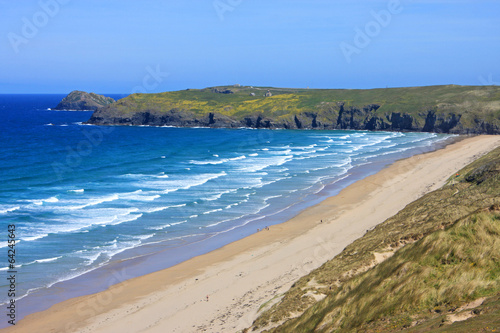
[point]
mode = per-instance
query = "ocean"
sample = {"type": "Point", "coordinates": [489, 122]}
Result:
{"type": "Point", "coordinates": [84, 199]}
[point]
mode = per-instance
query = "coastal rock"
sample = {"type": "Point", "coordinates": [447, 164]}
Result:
{"type": "Point", "coordinates": [83, 101]}
{"type": "Point", "coordinates": [402, 122]}
{"type": "Point", "coordinates": [224, 91]}
{"type": "Point", "coordinates": [441, 123]}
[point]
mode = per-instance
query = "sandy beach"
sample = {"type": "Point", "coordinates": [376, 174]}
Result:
{"type": "Point", "coordinates": [222, 291]}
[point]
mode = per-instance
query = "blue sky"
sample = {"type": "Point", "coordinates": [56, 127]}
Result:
{"type": "Point", "coordinates": [111, 46]}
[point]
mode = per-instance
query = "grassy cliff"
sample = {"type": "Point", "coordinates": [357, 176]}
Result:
{"type": "Point", "coordinates": [442, 272]}
{"type": "Point", "coordinates": [449, 109]}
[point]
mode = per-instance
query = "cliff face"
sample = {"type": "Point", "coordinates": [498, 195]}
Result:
{"type": "Point", "coordinates": [82, 101]}
{"type": "Point", "coordinates": [477, 113]}
{"type": "Point", "coordinates": [351, 118]}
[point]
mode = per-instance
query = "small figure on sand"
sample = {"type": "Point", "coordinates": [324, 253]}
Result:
{"type": "Point", "coordinates": [207, 298]}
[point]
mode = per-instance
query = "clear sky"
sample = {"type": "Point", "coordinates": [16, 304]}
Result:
{"type": "Point", "coordinates": [124, 46]}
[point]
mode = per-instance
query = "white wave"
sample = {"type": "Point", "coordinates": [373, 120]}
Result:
{"type": "Point", "coordinates": [77, 191]}
{"type": "Point", "coordinates": [185, 184]}
{"type": "Point", "coordinates": [138, 196]}
{"type": "Point", "coordinates": [272, 197]}
{"type": "Point", "coordinates": [221, 161]}
{"type": "Point", "coordinates": [212, 211]}
{"type": "Point", "coordinates": [208, 162]}
{"type": "Point", "coordinates": [219, 195]}
{"type": "Point", "coordinates": [40, 202]}
{"type": "Point", "coordinates": [306, 147]}
{"type": "Point", "coordinates": [82, 221]}
{"type": "Point", "coordinates": [417, 140]}
{"type": "Point", "coordinates": [136, 176]}
{"type": "Point", "coordinates": [162, 176]}
{"type": "Point", "coordinates": [253, 155]}
{"type": "Point", "coordinates": [41, 261]}
{"type": "Point", "coordinates": [8, 210]}
{"type": "Point", "coordinates": [158, 209]}
{"type": "Point", "coordinates": [34, 238]}
{"type": "Point", "coordinates": [263, 163]}
{"type": "Point", "coordinates": [239, 217]}
{"type": "Point", "coordinates": [160, 227]}
{"type": "Point", "coordinates": [225, 221]}
{"type": "Point", "coordinates": [144, 237]}
{"type": "Point", "coordinates": [281, 152]}
{"type": "Point", "coordinates": [119, 220]}
{"type": "Point", "coordinates": [177, 223]}
{"type": "Point", "coordinates": [397, 134]}
{"type": "Point", "coordinates": [231, 205]}
{"type": "Point", "coordinates": [95, 202]}
{"type": "Point", "coordinates": [91, 258]}
{"type": "Point", "coordinates": [6, 244]}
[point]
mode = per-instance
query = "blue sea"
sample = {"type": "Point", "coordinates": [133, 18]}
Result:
{"type": "Point", "coordinates": [85, 198]}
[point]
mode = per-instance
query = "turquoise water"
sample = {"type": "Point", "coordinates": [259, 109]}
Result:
{"type": "Point", "coordinates": [82, 197]}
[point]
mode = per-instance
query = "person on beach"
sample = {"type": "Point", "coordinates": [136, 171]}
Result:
{"type": "Point", "coordinates": [207, 298]}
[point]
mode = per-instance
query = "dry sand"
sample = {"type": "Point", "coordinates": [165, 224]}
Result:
{"type": "Point", "coordinates": [243, 275]}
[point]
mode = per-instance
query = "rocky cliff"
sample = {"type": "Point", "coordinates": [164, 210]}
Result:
{"type": "Point", "coordinates": [82, 101]}
{"type": "Point", "coordinates": [441, 109]}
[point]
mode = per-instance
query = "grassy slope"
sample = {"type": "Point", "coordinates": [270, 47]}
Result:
{"type": "Point", "coordinates": [451, 257]}
{"type": "Point", "coordinates": [470, 101]}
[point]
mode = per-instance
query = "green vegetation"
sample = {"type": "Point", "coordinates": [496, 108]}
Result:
{"type": "Point", "coordinates": [451, 108]}
{"type": "Point", "coordinates": [295, 101]}
{"type": "Point", "coordinates": [443, 254]}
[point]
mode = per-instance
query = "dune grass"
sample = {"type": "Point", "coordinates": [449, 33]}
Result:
{"type": "Point", "coordinates": [446, 249]}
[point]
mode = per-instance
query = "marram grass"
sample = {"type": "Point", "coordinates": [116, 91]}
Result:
{"type": "Point", "coordinates": [447, 254]}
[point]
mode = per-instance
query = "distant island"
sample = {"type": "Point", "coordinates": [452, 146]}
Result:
{"type": "Point", "coordinates": [83, 101]}
{"type": "Point", "coordinates": [441, 109]}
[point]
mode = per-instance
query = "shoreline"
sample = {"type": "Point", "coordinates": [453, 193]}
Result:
{"type": "Point", "coordinates": [242, 275]}
{"type": "Point", "coordinates": [156, 256]}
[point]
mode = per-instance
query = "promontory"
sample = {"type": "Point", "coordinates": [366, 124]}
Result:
{"type": "Point", "coordinates": [441, 109]}
{"type": "Point", "coordinates": [83, 101]}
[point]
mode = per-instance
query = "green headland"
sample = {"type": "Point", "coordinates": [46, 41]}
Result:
{"type": "Point", "coordinates": [440, 109]}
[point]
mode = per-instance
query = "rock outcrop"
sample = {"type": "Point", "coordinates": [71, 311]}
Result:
{"type": "Point", "coordinates": [82, 101]}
